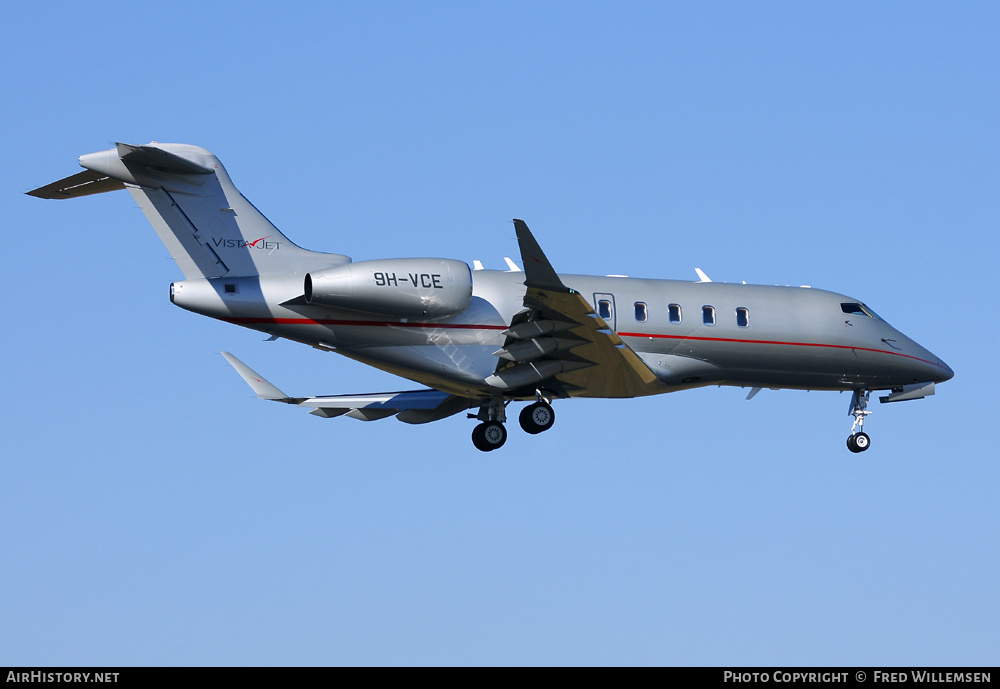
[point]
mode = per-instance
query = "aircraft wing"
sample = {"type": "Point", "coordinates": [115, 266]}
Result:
{"type": "Point", "coordinates": [559, 343]}
{"type": "Point", "coordinates": [414, 406]}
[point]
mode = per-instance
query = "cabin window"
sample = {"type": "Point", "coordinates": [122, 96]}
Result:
{"type": "Point", "coordinates": [231, 288]}
{"type": "Point", "coordinates": [708, 315]}
{"type": "Point", "coordinates": [675, 313]}
{"type": "Point", "coordinates": [604, 309]}
{"type": "Point", "coordinates": [742, 317]}
{"type": "Point", "coordinates": [640, 311]}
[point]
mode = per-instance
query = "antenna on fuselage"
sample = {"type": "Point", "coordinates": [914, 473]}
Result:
{"type": "Point", "coordinates": [510, 264]}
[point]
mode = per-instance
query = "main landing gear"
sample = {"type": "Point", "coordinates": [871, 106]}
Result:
{"type": "Point", "coordinates": [859, 440]}
{"type": "Point", "coordinates": [536, 418]}
{"type": "Point", "coordinates": [491, 433]}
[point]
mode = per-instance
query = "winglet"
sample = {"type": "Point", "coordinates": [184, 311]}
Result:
{"type": "Point", "coordinates": [264, 389]}
{"type": "Point", "coordinates": [538, 272]}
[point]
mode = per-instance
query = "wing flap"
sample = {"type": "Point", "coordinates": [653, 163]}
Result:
{"type": "Point", "coordinates": [413, 406]}
{"type": "Point", "coordinates": [616, 370]}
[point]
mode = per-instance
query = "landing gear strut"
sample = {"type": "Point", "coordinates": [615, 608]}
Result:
{"type": "Point", "coordinates": [859, 440]}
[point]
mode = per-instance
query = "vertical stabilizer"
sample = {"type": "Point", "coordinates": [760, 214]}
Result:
{"type": "Point", "coordinates": [207, 225]}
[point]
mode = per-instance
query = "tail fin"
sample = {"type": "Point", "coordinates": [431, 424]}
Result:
{"type": "Point", "coordinates": [207, 225]}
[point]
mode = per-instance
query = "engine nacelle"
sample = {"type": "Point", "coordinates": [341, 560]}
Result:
{"type": "Point", "coordinates": [400, 287]}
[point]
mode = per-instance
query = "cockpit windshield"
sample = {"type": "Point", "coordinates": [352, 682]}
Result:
{"type": "Point", "coordinates": [858, 309]}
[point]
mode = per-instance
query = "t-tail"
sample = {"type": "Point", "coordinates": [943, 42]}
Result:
{"type": "Point", "coordinates": [207, 225]}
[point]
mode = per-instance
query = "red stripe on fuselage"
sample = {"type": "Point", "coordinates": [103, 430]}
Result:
{"type": "Point", "coordinates": [337, 321]}
{"type": "Point", "coordinates": [474, 326]}
{"type": "Point", "coordinates": [777, 342]}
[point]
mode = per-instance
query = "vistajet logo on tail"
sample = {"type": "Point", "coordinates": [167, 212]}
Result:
{"type": "Point", "coordinates": [261, 243]}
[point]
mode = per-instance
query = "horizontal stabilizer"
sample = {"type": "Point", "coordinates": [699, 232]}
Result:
{"type": "Point", "coordinates": [159, 159]}
{"type": "Point", "coordinates": [81, 184]}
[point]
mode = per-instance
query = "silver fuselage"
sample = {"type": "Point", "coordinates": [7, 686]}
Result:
{"type": "Point", "coordinates": [783, 337]}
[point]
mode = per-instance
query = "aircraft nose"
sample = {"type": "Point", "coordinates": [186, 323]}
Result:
{"type": "Point", "coordinates": [944, 372]}
{"type": "Point", "coordinates": [923, 366]}
{"type": "Point", "coordinates": [933, 369]}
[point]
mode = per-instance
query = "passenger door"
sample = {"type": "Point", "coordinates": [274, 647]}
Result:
{"type": "Point", "coordinates": [604, 304]}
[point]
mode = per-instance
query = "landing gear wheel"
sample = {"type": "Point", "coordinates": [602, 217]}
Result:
{"type": "Point", "coordinates": [859, 442]}
{"type": "Point", "coordinates": [536, 418]}
{"type": "Point", "coordinates": [862, 442]}
{"type": "Point", "coordinates": [489, 436]}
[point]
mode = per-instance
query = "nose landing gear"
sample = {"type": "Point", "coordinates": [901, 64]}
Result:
{"type": "Point", "coordinates": [859, 440]}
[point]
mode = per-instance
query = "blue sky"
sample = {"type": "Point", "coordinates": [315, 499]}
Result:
{"type": "Point", "coordinates": [155, 512]}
